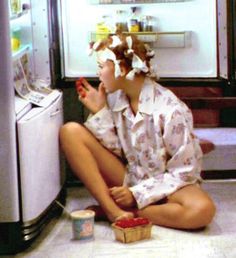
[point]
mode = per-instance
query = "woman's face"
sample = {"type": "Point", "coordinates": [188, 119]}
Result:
{"type": "Point", "coordinates": [106, 73]}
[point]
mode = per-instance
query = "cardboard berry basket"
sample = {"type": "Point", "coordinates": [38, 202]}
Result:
{"type": "Point", "coordinates": [134, 233]}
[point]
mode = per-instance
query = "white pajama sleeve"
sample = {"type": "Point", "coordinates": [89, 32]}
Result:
{"type": "Point", "coordinates": [181, 167]}
{"type": "Point", "coordinates": [101, 125]}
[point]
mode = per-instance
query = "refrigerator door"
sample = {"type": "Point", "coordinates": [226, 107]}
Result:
{"type": "Point", "coordinates": [185, 39]}
{"type": "Point", "coordinates": [31, 26]}
{"type": "Point", "coordinates": [9, 198]}
{"type": "Point", "coordinates": [40, 176]}
{"type": "Point", "coordinates": [41, 39]}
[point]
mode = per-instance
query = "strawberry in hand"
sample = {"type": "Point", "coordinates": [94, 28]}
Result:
{"type": "Point", "coordinates": [93, 99]}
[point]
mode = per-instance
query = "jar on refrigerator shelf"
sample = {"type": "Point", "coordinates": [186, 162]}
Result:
{"type": "Point", "coordinates": [133, 22]}
{"type": "Point", "coordinates": [134, 25]}
{"type": "Point", "coordinates": [103, 27]}
{"type": "Point", "coordinates": [146, 23]}
{"type": "Point", "coordinates": [120, 21]}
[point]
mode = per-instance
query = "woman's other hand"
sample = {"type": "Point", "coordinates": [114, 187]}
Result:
{"type": "Point", "coordinates": [93, 99]}
{"type": "Point", "coordinates": [123, 196]}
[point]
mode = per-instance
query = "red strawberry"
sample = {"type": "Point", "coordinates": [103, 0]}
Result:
{"type": "Point", "coordinates": [130, 223]}
{"type": "Point", "coordinates": [78, 85]}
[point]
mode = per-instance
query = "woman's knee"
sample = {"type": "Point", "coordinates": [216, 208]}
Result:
{"type": "Point", "coordinates": [73, 133]}
{"type": "Point", "coordinates": [69, 129]}
{"type": "Point", "coordinates": [202, 213]}
{"type": "Point", "coordinates": [70, 133]}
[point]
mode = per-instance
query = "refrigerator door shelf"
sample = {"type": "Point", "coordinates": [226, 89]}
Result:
{"type": "Point", "coordinates": [19, 53]}
{"type": "Point", "coordinates": [18, 15]}
{"type": "Point", "coordinates": [134, 1]}
{"type": "Point", "coordinates": [34, 36]}
{"type": "Point", "coordinates": [174, 39]}
{"type": "Point", "coordinates": [181, 39]}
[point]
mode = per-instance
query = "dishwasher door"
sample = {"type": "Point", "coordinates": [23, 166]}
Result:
{"type": "Point", "coordinates": [39, 158]}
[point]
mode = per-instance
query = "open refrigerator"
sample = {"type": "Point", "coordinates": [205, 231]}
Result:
{"type": "Point", "coordinates": [31, 114]}
{"type": "Point", "coordinates": [190, 38]}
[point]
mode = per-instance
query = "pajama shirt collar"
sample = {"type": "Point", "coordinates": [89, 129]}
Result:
{"type": "Point", "coordinates": [146, 99]}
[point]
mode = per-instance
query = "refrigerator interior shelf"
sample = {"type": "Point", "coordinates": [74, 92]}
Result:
{"type": "Point", "coordinates": [134, 1]}
{"type": "Point", "coordinates": [19, 53]}
{"type": "Point", "coordinates": [177, 39]}
{"type": "Point", "coordinates": [18, 15]}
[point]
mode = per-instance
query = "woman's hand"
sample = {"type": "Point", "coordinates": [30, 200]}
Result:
{"type": "Point", "coordinates": [123, 196]}
{"type": "Point", "coordinates": [93, 99]}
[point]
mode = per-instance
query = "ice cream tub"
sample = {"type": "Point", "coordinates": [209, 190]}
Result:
{"type": "Point", "coordinates": [82, 224]}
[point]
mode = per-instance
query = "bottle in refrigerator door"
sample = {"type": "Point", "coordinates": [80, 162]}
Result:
{"type": "Point", "coordinates": [15, 7]}
{"type": "Point", "coordinates": [15, 38]}
{"type": "Point", "coordinates": [120, 21]}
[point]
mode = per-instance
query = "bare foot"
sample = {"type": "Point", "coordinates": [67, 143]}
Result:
{"type": "Point", "coordinates": [100, 215]}
{"type": "Point", "coordinates": [122, 215]}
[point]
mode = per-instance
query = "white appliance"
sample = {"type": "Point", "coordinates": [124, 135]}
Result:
{"type": "Point", "coordinates": [31, 177]}
{"type": "Point", "coordinates": [39, 164]}
{"type": "Point", "coordinates": [184, 34]}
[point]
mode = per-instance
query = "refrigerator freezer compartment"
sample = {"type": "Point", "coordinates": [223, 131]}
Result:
{"type": "Point", "coordinates": [22, 106]}
{"type": "Point", "coordinates": [31, 229]}
{"type": "Point", "coordinates": [39, 162]}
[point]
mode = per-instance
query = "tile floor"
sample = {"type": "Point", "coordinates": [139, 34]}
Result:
{"type": "Point", "coordinates": [216, 241]}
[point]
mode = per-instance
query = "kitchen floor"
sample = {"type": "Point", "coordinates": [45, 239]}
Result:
{"type": "Point", "coordinates": [218, 240]}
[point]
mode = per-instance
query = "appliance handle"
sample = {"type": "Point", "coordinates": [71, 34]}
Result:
{"type": "Point", "coordinates": [57, 111]}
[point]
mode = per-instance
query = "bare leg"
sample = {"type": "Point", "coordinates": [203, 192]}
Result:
{"type": "Point", "coordinates": [94, 165]}
{"type": "Point", "coordinates": [188, 208]}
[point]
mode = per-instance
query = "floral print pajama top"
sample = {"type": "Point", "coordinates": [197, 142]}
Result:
{"type": "Point", "coordinates": [158, 143]}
